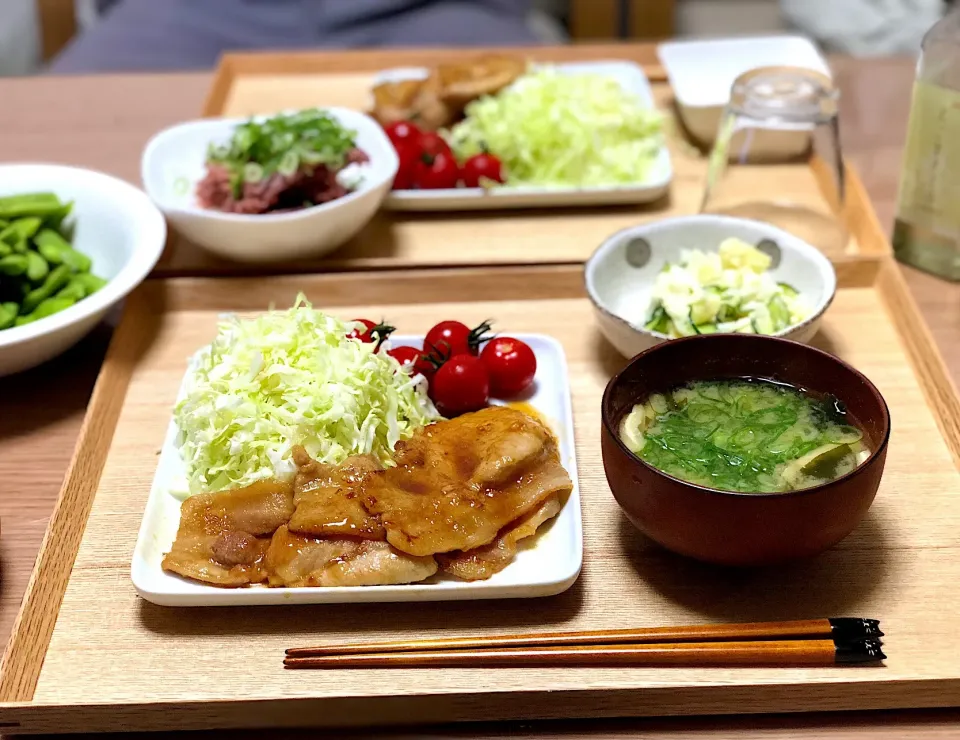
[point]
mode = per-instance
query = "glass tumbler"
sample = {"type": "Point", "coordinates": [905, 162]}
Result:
{"type": "Point", "coordinates": [777, 156]}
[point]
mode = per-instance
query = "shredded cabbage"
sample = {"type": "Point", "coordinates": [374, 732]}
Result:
{"type": "Point", "coordinates": [551, 129]}
{"type": "Point", "coordinates": [285, 378]}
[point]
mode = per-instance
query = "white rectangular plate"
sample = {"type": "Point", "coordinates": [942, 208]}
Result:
{"type": "Point", "coordinates": [546, 564]}
{"type": "Point", "coordinates": [630, 76]}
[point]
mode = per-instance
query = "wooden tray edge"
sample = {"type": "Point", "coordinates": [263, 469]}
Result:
{"type": "Point", "coordinates": [925, 358]}
{"type": "Point", "coordinates": [347, 711]}
{"type": "Point", "coordinates": [30, 637]}
{"type": "Point", "coordinates": [232, 65]}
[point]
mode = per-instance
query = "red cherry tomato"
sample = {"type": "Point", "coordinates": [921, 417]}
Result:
{"type": "Point", "coordinates": [409, 157]}
{"type": "Point", "coordinates": [415, 358]}
{"type": "Point", "coordinates": [452, 338]}
{"type": "Point", "coordinates": [433, 144]}
{"type": "Point", "coordinates": [462, 384]}
{"type": "Point", "coordinates": [405, 355]}
{"type": "Point", "coordinates": [436, 171]}
{"type": "Point", "coordinates": [511, 365]}
{"type": "Point", "coordinates": [479, 166]}
{"type": "Point", "coordinates": [403, 133]}
{"type": "Point", "coordinates": [372, 332]}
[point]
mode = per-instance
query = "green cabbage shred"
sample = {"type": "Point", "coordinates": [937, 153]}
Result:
{"type": "Point", "coordinates": [551, 129]}
{"type": "Point", "coordinates": [291, 377]}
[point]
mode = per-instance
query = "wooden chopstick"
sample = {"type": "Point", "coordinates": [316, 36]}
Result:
{"type": "Point", "coordinates": [845, 628]}
{"type": "Point", "coordinates": [825, 652]}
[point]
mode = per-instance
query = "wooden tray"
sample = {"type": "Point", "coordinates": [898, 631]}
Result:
{"type": "Point", "coordinates": [87, 654]}
{"type": "Point", "coordinates": [263, 83]}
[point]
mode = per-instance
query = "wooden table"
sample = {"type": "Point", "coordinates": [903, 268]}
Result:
{"type": "Point", "coordinates": [103, 122]}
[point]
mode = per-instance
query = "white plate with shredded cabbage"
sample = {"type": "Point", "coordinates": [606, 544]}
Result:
{"type": "Point", "coordinates": [585, 133]}
{"type": "Point", "coordinates": [216, 384]}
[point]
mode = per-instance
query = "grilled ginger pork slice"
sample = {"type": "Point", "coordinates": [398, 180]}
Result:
{"type": "Point", "coordinates": [482, 562]}
{"type": "Point", "coordinates": [327, 497]}
{"type": "Point", "coordinates": [457, 483]}
{"type": "Point", "coordinates": [298, 560]}
{"type": "Point", "coordinates": [223, 537]}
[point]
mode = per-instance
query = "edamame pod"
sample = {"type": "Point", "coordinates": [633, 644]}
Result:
{"type": "Point", "coordinates": [90, 282]}
{"type": "Point", "coordinates": [57, 279]}
{"type": "Point", "coordinates": [29, 204]}
{"type": "Point", "coordinates": [51, 245]}
{"type": "Point", "coordinates": [5, 249]}
{"type": "Point", "coordinates": [21, 229]}
{"type": "Point", "coordinates": [14, 264]}
{"type": "Point", "coordinates": [74, 289]}
{"type": "Point", "coordinates": [51, 306]}
{"type": "Point", "coordinates": [8, 314]}
{"type": "Point", "coordinates": [37, 267]}
{"type": "Point", "coordinates": [76, 261]}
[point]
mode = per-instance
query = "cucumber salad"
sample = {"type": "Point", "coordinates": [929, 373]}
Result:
{"type": "Point", "coordinates": [729, 291]}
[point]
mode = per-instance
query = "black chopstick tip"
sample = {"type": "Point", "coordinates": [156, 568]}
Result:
{"type": "Point", "coordinates": [864, 651]}
{"type": "Point", "coordinates": [854, 628]}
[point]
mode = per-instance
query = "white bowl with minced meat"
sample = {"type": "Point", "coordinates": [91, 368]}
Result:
{"type": "Point", "coordinates": [195, 201]}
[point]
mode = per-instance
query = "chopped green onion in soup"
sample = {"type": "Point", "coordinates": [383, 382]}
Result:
{"type": "Point", "coordinates": [751, 436]}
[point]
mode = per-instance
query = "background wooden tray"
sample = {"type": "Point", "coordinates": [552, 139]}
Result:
{"type": "Point", "coordinates": [263, 83]}
{"type": "Point", "coordinates": [87, 654]}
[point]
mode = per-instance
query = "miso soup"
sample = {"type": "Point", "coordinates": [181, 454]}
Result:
{"type": "Point", "coordinates": [751, 436]}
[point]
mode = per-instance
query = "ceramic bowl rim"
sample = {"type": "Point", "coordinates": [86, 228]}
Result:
{"type": "Point", "coordinates": [805, 249]}
{"type": "Point", "coordinates": [813, 490]}
{"type": "Point", "coordinates": [149, 156]}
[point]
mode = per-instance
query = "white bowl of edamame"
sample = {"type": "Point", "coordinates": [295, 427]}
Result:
{"type": "Point", "coordinates": [73, 243]}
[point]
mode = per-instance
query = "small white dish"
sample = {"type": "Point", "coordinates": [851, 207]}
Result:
{"type": "Point", "coordinates": [620, 275]}
{"type": "Point", "coordinates": [701, 73]}
{"type": "Point", "coordinates": [173, 164]}
{"type": "Point", "coordinates": [630, 76]}
{"type": "Point", "coordinates": [546, 564]}
{"type": "Point", "coordinates": [115, 224]}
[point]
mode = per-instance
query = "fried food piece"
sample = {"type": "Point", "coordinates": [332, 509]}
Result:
{"type": "Point", "coordinates": [457, 483]}
{"type": "Point", "coordinates": [462, 82]}
{"type": "Point", "coordinates": [483, 562]}
{"type": "Point", "coordinates": [419, 101]}
{"type": "Point", "coordinates": [395, 101]}
{"type": "Point", "coordinates": [297, 560]}
{"type": "Point", "coordinates": [223, 537]}
{"type": "Point", "coordinates": [431, 110]}
{"type": "Point", "coordinates": [327, 497]}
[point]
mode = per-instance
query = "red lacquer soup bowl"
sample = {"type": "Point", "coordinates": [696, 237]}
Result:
{"type": "Point", "coordinates": [734, 528]}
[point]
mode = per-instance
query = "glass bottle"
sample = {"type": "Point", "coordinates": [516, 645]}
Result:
{"type": "Point", "coordinates": [927, 228]}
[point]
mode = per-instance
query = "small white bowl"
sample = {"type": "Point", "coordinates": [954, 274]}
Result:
{"type": "Point", "coordinates": [620, 275]}
{"type": "Point", "coordinates": [116, 225]}
{"type": "Point", "coordinates": [173, 164]}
